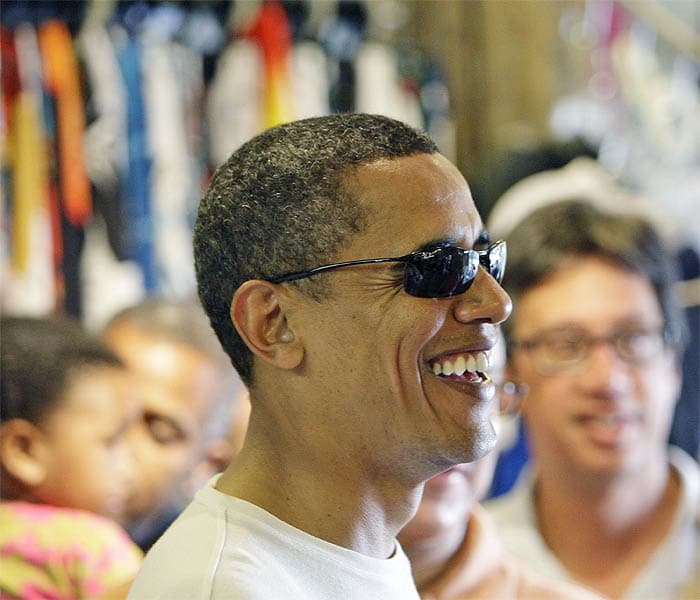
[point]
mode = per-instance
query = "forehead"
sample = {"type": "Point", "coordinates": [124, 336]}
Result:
{"type": "Point", "coordinates": [412, 201]}
{"type": "Point", "coordinates": [588, 292]}
{"type": "Point", "coordinates": [98, 393]}
{"type": "Point", "coordinates": [179, 378]}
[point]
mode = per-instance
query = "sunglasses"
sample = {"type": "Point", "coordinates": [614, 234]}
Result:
{"type": "Point", "coordinates": [441, 272]}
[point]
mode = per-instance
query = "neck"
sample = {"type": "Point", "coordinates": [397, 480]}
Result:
{"type": "Point", "coordinates": [321, 492]}
{"type": "Point", "coordinates": [613, 502]}
{"type": "Point", "coordinates": [624, 518]}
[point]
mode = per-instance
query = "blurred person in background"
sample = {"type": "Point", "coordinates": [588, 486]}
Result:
{"type": "Point", "coordinates": [452, 543]}
{"type": "Point", "coordinates": [596, 335]}
{"type": "Point", "coordinates": [68, 408]}
{"type": "Point", "coordinates": [193, 402]}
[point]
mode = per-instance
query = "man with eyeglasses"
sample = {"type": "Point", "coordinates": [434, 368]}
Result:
{"type": "Point", "coordinates": [596, 338]}
{"type": "Point", "coordinates": [348, 275]}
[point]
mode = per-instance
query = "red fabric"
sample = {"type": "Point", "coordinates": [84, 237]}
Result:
{"type": "Point", "coordinates": [9, 74]}
{"type": "Point", "coordinates": [271, 30]}
{"type": "Point", "coordinates": [62, 80]}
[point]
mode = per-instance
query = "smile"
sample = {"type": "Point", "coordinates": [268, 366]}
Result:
{"type": "Point", "coordinates": [471, 366]}
{"type": "Point", "coordinates": [612, 420]}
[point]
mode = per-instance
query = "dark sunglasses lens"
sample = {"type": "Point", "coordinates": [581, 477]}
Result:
{"type": "Point", "coordinates": [440, 273]}
{"type": "Point", "coordinates": [495, 260]}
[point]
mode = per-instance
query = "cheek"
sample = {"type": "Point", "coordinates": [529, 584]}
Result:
{"type": "Point", "coordinates": [89, 479]}
{"type": "Point", "coordinates": [658, 390]}
{"type": "Point", "coordinates": [547, 402]}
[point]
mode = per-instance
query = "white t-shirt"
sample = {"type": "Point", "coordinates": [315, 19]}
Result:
{"type": "Point", "coordinates": [674, 562]}
{"type": "Point", "coordinates": [224, 547]}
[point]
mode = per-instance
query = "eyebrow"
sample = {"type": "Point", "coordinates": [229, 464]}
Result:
{"type": "Point", "coordinates": [483, 239]}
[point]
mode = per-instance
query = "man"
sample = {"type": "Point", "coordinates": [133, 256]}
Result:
{"type": "Point", "coordinates": [189, 392]}
{"type": "Point", "coordinates": [596, 338]}
{"type": "Point", "coordinates": [452, 543]}
{"type": "Point", "coordinates": [367, 374]}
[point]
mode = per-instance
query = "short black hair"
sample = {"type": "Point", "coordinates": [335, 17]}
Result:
{"type": "Point", "coordinates": [541, 241]}
{"type": "Point", "coordinates": [38, 358]}
{"type": "Point", "coordinates": [279, 204]}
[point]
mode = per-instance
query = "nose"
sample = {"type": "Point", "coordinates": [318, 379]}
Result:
{"type": "Point", "coordinates": [125, 460]}
{"type": "Point", "coordinates": [605, 373]}
{"type": "Point", "coordinates": [484, 301]}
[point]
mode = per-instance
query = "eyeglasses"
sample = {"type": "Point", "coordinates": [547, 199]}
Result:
{"type": "Point", "coordinates": [510, 397]}
{"type": "Point", "coordinates": [566, 350]}
{"type": "Point", "coordinates": [436, 273]}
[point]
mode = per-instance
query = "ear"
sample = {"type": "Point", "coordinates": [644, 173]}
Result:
{"type": "Point", "coordinates": [22, 452]}
{"type": "Point", "coordinates": [260, 319]}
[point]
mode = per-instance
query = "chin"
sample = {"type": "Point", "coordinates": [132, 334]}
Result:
{"type": "Point", "coordinates": [480, 443]}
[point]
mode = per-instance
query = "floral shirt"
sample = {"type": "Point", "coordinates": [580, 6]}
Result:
{"type": "Point", "coordinates": [60, 553]}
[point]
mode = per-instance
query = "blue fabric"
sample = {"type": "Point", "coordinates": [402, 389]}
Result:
{"type": "Point", "coordinates": [685, 432]}
{"type": "Point", "coordinates": [510, 463]}
{"type": "Point", "coordinates": [136, 198]}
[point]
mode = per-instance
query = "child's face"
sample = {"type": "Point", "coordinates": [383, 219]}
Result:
{"type": "Point", "coordinates": [89, 464]}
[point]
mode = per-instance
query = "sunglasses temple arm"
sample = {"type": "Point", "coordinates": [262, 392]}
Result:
{"type": "Point", "coordinates": [324, 268]}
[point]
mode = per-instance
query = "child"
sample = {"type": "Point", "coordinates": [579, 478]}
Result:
{"type": "Point", "coordinates": [65, 465]}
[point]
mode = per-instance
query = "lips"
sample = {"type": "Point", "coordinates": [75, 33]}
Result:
{"type": "Point", "coordinates": [607, 429]}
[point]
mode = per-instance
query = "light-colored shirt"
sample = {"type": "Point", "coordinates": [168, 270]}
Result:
{"type": "Point", "coordinates": [667, 571]}
{"type": "Point", "coordinates": [225, 547]}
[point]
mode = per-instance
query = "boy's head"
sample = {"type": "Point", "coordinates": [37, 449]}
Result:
{"type": "Point", "coordinates": [66, 408]}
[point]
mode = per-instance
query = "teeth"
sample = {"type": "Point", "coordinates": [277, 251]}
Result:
{"type": "Point", "coordinates": [471, 363]}
{"type": "Point", "coordinates": [477, 362]}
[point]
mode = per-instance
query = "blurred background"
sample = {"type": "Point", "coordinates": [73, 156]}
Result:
{"type": "Point", "coordinates": [115, 113]}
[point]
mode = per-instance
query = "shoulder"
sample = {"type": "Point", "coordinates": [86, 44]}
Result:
{"type": "Point", "coordinates": [529, 584]}
{"type": "Point", "coordinates": [58, 547]}
{"type": "Point", "coordinates": [64, 527]}
{"type": "Point", "coordinates": [187, 557]}
{"type": "Point", "coordinates": [514, 507]}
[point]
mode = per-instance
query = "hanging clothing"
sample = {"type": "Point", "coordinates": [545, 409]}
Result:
{"type": "Point", "coordinates": [31, 270]}
{"type": "Point", "coordinates": [136, 198]}
{"type": "Point", "coordinates": [62, 79]}
{"type": "Point", "coordinates": [105, 136]}
{"type": "Point", "coordinates": [234, 113]}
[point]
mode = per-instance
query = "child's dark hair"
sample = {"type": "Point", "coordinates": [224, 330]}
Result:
{"type": "Point", "coordinates": [38, 357]}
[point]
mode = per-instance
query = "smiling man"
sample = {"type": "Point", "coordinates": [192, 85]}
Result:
{"type": "Point", "coordinates": [347, 274]}
{"type": "Point", "coordinates": [596, 338]}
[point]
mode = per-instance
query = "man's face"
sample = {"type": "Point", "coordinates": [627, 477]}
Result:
{"type": "Point", "coordinates": [608, 416]}
{"type": "Point", "coordinates": [372, 347]}
{"type": "Point", "coordinates": [178, 386]}
{"type": "Point", "coordinates": [448, 498]}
